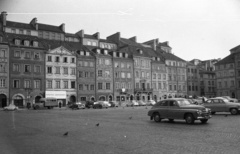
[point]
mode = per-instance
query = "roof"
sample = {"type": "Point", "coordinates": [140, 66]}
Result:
{"type": "Point", "coordinates": [169, 56]}
{"type": "Point", "coordinates": [106, 41]}
{"type": "Point", "coordinates": [19, 25]}
{"type": "Point", "coordinates": [89, 36]}
{"type": "Point", "coordinates": [165, 44]}
{"type": "Point", "coordinates": [50, 28]}
{"type": "Point", "coordinates": [10, 37]}
{"type": "Point", "coordinates": [226, 60]}
{"type": "Point", "coordinates": [4, 39]}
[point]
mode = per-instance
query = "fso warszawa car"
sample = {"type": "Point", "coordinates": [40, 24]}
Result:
{"type": "Point", "coordinates": [179, 108]}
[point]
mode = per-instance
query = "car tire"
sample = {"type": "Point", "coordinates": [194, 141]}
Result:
{"type": "Point", "coordinates": [204, 121]}
{"type": "Point", "coordinates": [213, 113]}
{"type": "Point", "coordinates": [189, 119]}
{"type": "Point", "coordinates": [36, 107]}
{"type": "Point", "coordinates": [171, 120]}
{"type": "Point", "coordinates": [234, 111]}
{"type": "Point", "coordinates": [156, 117]}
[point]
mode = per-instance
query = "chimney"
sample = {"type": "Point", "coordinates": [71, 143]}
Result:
{"type": "Point", "coordinates": [80, 33]}
{"type": "Point", "coordinates": [34, 23]}
{"type": "Point", "coordinates": [115, 38]}
{"type": "Point", "coordinates": [134, 38]}
{"type": "Point", "coordinates": [97, 35]}
{"type": "Point", "coordinates": [62, 26]}
{"type": "Point", "coordinates": [4, 18]}
{"type": "Point", "coordinates": [153, 43]}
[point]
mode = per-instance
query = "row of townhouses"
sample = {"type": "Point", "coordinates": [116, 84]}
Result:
{"type": "Point", "coordinates": [40, 60]}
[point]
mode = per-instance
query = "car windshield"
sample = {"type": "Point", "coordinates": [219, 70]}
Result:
{"type": "Point", "coordinates": [183, 102]}
{"type": "Point", "coordinates": [225, 100]}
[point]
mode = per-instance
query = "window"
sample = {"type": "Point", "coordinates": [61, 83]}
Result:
{"type": "Point", "coordinates": [57, 59]}
{"type": "Point", "coordinates": [94, 43]}
{"type": "Point", "coordinates": [80, 74]}
{"type": "Point", "coordinates": [49, 70]}
{"type": "Point", "coordinates": [175, 87]}
{"type": "Point", "coordinates": [13, 31]}
{"type": "Point", "coordinates": [100, 86]}
{"type": "Point", "coordinates": [73, 60]}
{"type": "Point", "coordinates": [2, 68]}
{"type": "Point", "coordinates": [129, 66]}
{"type": "Point", "coordinates": [17, 42]}
{"type": "Point", "coordinates": [65, 84]}
{"type": "Point", "coordinates": [159, 76]}
{"type": "Point", "coordinates": [58, 85]}
{"type": "Point", "coordinates": [91, 64]}
{"type": "Point", "coordinates": [27, 84]}
{"type": "Point", "coordinates": [37, 55]}
{"type": "Point", "coordinates": [129, 75]}
{"type": "Point", "coordinates": [49, 58]}
{"type": "Point", "coordinates": [122, 74]}
{"type": "Point", "coordinates": [80, 63]}
{"type": "Point", "coordinates": [100, 73]}
{"type": "Point", "coordinates": [73, 84]}
{"type": "Point", "coordinates": [86, 74]}
{"type": "Point", "coordinates": [92, 87]}
{"type": "Point", "coordinates": [49, 84]}
{"type": "Point", "coordinates": [35, 43]}
{"type": "Point", "coordinates": [107, 62]}
{"type": "Point", "coordinates": [86, 87]}
{"type": "Point", "coordinates": [2, 83]}
{"type": "Point", "coordinates": [17, 53]}
{"type": "Point", "coordinates": [137, 85]}
{"type": "Point", "coordinates": [107, 74]}
{"type": "Point", "coordinates": [159, 85]}
{"type": "Point", "coordinates": [26, 43]}
{"type": "Point", "coordinates": [2, 53]}
{"type": "Point", "coordinates": [27, 54]}
{"type": "Point", "coordinates": [154, 75]}
{"type": "Point", "coordinates": [170, 87]}
{"type": "Point", "coordinates": [116, 64]}
{"type": "Point", "coordinates": [37, 84]}
{"type": "Point", "coordinates": [20, 31]}
{"type": "Point", "coordinates": [73, 71]}
{"type": "Point", "coordinates": [89, 43]}
{"type": "Point", "coordinates": [15, 83]}
{"type": "Point", "coordinates": [80, 86]}
{"type": "Point", "coordinates": [27, 68]}
{"type": "Point", "coordinates": [65, 59]}
{"type": "Point", "coordinates": [122, 65]}
{"type": "Point", "coordinates": [37, 69]}
{"type": "Point", "coordinates": [1, 38]}
{"type": "Point", "coordinates": [65, 70]}
{"type": "Point", "coordinates": [28, 32]}
{"type": "Point", "coordinates": [148, 85]}
{"type": "Point", "coordinates": [108, 86]}
{"type": "Point", "coordinates": [57, 68]}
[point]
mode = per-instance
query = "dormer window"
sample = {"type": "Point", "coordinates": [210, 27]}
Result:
{"type": "Point", "coordinates": [139, 51]}
{"type": "Point", "coordinates": [126, 55]}
{"type": "Point", "coordinates": [158, 59]}
{"type": "Point", "coordinates": [82, 53]}
{"type": "Point", "coordinates": [17, 42]}
{"type": "Point", "coordinates": [13, 31]}
{"type": "Point", "coordinates": [26, 43]}
{"type": "Point", "coordinates": [120, 54]}
{"type": "Point", "coordinates": [105, 52]}
{"type": "Point", "coordinates": [153, 58]}
{"type": "Point", "coordinates": [98, 51]}
{"type": "Point", "coordinates": [87, 53]}
{"type": "Point", "coordinates": [114, 54]}
{"type": "Point", "coordinates": [94, 43]}
{"type": "Point", "coordinates": [28, 32]}
{"type": "Point", "coordinates": [35, 43]}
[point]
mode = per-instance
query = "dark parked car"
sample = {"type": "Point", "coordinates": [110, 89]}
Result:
{"type": "Point", "coordinates": [77, 105]}
{"type": "Point", "coordinates": [179, 108]}
{"type": "Point", "coordinates": [220, 104]}
{"type": "Point", "coordinates": [89, 104]}
{"type": "Point", "coordinates": [114, 104]}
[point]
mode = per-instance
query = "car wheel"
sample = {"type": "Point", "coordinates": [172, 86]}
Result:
{"type": "Point", "coordinates": [36, 107]}
{"type": "Point", "coordinates": [234, 111]}
{"type": "Point", "coordinates": [213, 113]}
{"type": "Point", "coordinates": [171, 120]}
{"type": "Point", "coordinates": [157, 117]}
{"type": "Point", "coordinates": [189, 119]}
{"type": "Point", "coordinates": [204, 121]}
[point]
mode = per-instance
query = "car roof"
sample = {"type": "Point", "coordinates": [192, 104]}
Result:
{"type": "Point", "coordinates": [176, 99]}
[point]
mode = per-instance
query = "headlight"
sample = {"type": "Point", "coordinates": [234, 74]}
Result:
{"type": "Point", "coordinates": [199, 111]}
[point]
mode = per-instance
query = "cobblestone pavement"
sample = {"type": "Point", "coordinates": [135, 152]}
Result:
{"type": "Point", "coordinates": [41, 131]}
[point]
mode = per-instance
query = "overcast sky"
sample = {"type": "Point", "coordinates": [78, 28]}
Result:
{"type": "Point", "coordinates": [195, 29]}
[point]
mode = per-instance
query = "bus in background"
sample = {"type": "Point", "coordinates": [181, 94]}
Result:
{"type": "Point", "coordinates": [46, 102]}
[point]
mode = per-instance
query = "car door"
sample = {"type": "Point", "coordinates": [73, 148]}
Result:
{"type": "Point", "coordinates": [163, 109]}
{"type": "Point", "coordinates": [173, 110]}
{"type": "Point", "coordinates": [222, 106]}
{"type": "Point", "coordinates": [209, 104]}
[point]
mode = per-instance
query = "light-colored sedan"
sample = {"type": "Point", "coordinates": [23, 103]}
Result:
{"type": "Point", "coordinates": [132, 103]}
{"type": "Point", "coordinates": [151, 102]}
{"type": "Point", "coordinates": [142, 103]}
{"type": "Point", "coordinates": [10, 107]}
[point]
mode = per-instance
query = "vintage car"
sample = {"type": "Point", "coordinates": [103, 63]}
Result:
{"type": "Point", "coordinates": [233, 100]}
{"type": "Point", "coordinates": [220, 104]}
{"type": "Point", "coordinates": [179, 108]}
{"type": "Point", "coordinates": [77, 105]}
{"type": "Point", "coordinates": [10, 107]}
{"type": "Point", "coordinates": [101, 104]}
{"type": "Point", "coordinates": [132, 103]}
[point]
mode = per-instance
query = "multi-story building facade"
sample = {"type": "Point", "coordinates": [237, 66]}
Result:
{"type": "Point", "coordinates": [123, 75]}
{"type": "Point", "coordinates": [207, 83]}
{"type": "Point", "coordinates": [176, 69]}
{"type": "Point", "coordinates": [4, 70]}
{"type": "Point", "coordinates": [26, 69]}
{"type": "Point", "coordinates": [86, 70]}
{"type": "Point", "coordinates": [60, 72]}
{"type": "Point", "coordinates": [192, 80]}
{"type": "Point", "coordinates": [236, 52]}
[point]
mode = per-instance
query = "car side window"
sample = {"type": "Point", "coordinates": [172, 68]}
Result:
{"type": "Point", "coordinates": [215, 101]}
{"type": "Point", "coordinates": [164, 103]}
{"type": "Point", "coordinates": [209, 101]}
{"type": "Point", "coordinates": [221, 101]}
{"type": "Point", "coordinates": [172, 103]}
